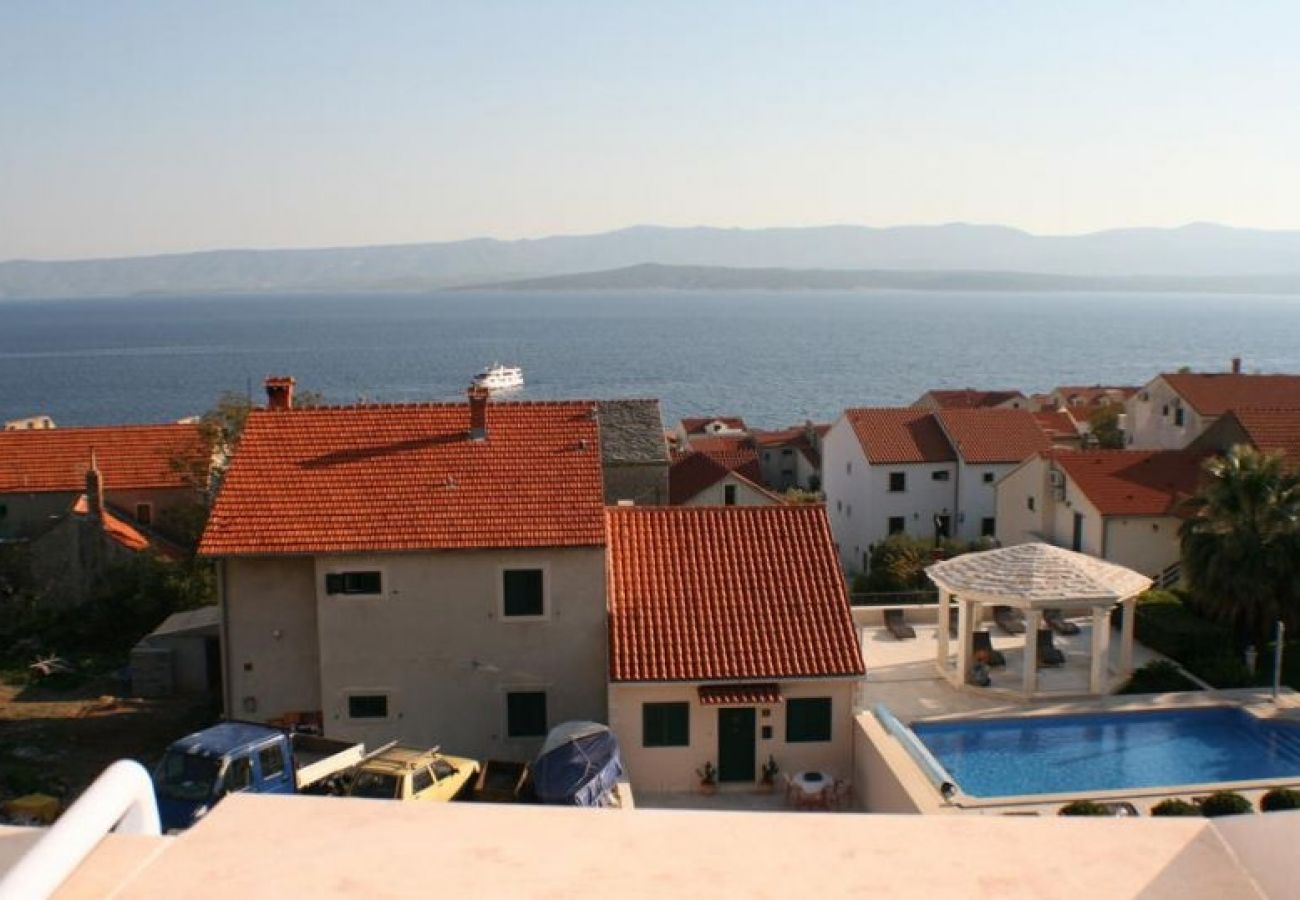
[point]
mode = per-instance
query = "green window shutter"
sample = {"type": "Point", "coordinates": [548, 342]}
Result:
{"type": "Point", "coordinates": [807, 719]}
{"type": "Point", "coordinates": [526, 714]}
{"type": "Point", "coordinates": [665, 724]}
{"type": "Point", "coordinates": [523, 592]}
{"type": "Point", "coordinates": [334, 583]}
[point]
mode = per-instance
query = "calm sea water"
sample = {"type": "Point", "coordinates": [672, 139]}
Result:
{"type": "Point", "coordinates": [775, 358]}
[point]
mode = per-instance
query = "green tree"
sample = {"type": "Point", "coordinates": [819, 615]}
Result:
{"type": "Point", "coordinates": [1241, 544]}
{"type": "Point", "coordinates": [1103, 425]}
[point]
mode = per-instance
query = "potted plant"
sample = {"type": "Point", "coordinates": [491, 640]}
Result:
{"type": "Point", "coordinates": [708, 779]}
{"type": "Point", "coordinates": [767, 778]}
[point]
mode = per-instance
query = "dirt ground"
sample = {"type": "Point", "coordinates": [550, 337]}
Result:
{"type": "Point", "coordinates": [57, 742]}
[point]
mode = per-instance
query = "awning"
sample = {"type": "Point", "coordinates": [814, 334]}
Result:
{"type": "Point", "coordinates": [740, 694]}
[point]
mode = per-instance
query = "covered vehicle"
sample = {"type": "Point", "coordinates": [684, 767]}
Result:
{"type": "Point", "coordinates": [579, 765]}
{"type": "Point", "coordinates": [400, 772]}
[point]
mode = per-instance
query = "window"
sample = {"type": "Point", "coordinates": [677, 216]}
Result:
{"type": "Point", "coordinates": [522, 593]}
{"type": "Point", "coordinates": [353, 583]}
{"type": "Point", "coordinates": [144, 513]}
{"type": "Point", "coordinates": [665, 724]}
{"type": "Point", "coordinates": [988, 526]}
{"type": "Point", "coordinates": [1029, 503]}
{"type": "Point", "coordinates": [807, 719]}
{"type": "Point", "coordinates": [271, 761]}
{"type": "Point", "coordinates": [1178, 416]}
{"type": "Point", "coordinates": [767, 456]}
{"type": "Point", "coordinates": [848, 467]}
{"type": "Point", "coordinates": [937, 475]}
{"type": "Point", "coordinates": [988, 477]}
{"type": "Point", "coordinates": [729, 494]}
{"type": "Point", "coordinates": [1164, 410]}
{"type": "Point", "coordinates": [787, 452]}
{"type": "Point", "coordinates": [368, 706]}
{"type": "Point", "coordinates": [839, 506]}
{"type": "Point", "coordinates": [897, 524]}
{"type": "Point", "coordinates": [943, 524]}
{"type": "Point", "coordinates": [897, 482]}
{"type": "Point", "coordinates": [239, 774]}
{"type": "Point", "coordinates": [848, 510]}
{"type": "Point", "coordinates": [526, 714]}
{"type": "Point", "coordinates": [421, 780]}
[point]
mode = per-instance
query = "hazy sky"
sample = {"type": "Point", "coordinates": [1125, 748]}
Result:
{"type": "Point", "coordinates": [130, 128]}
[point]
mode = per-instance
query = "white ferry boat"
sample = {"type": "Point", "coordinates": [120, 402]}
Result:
{"type": "Point", "coordinates": [500, 378]}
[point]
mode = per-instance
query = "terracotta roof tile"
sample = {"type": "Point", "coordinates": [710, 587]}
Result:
{"type": "Point", "coordinates": [763, 693]}
{"type": "Point", "coordinates": [1272, 429]}
{"type": "Point", "coordinates": [129, 457]}
{"type": "Point", "coordinates": [408, 477]}
{"type": "Point", "coordinates": [993, 435]}
{"type": "Point", "coordinates": [1083, 396]}
{"type": "Point", "coordinates": [694, 470]}
{"type": "Point", "coordinates": [696, 425]}
{"type": "Point", "coordinates": [1133, 482]}
{"type": "Point", "coordinates": [121, 532]}
{"type": "Point", "coordinates": [969, 398]}
{"type": "Point", "coordinates": [899, 435]}
{"type": "Point", "coordinates": [795, 438]}
{"type": "Point", "coordinates": [1057, 423]}
{"type": "Point", "coordinates": [1214, 393]}
{"type": "Point", "coordinates": [718, 594]}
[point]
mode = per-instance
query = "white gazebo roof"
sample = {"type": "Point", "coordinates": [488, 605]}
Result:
{"type": "Point", "coordinates": [1036, 575]}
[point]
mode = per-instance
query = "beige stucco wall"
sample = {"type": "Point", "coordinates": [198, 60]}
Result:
{"type": "Point", "coordinates": [746, 494]}
{"type": "Point", "coordinates": [1146, 544]}
{"type": "Point", "coordinates": [673, 768]}
{"type": "Point", "coordinates": [1016, 523]}
{"type": "Point", "coordinates": [1149, 428]}
{"type": "Point", "coordinates": [885, 778]}
{"type": "Point", "coordinates": [270, 641]}
{"type": "Point", "coordinates": [436, 643]}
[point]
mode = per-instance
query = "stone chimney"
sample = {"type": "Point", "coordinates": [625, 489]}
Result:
{"type": "Point", "coordinates": [478, 399]}
{"type": "Point", "coordinates": [279, 391]}
{"type": "Point", "coordinates": [94, 489]}
{"type": "Point", "coordinates": [1236, 365]}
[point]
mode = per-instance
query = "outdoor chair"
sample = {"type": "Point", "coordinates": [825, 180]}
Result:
{"type": "Point", "coordinates": [1048, 654]}
{"type": "Point", "coordinates": [1011, 621]}
{"type": "Point", "coordinates": [1059, 623]}
{"type": "Point", "coordinates": [982, 642]}
{"type": "Point", "coordinates": [897, 625]}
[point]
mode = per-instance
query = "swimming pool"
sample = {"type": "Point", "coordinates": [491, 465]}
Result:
{"type": "Point", "coordinates": [1112, 751]}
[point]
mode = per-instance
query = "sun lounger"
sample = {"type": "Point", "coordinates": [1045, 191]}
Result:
{"type": "Point", "coordinates": [1012, 621]}
{"type": "Point", "coordinates": [1048, 654]}
{"type": "Point", "coordinates": [1059, 623]}
{"type": "Point", "coordinates": [897, 626]}
{"type": "Point", "coordinates": [981, 642]}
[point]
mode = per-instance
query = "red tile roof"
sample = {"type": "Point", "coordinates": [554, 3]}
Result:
{"type": "Point", "coordinates": [1057, 423]}
{"type": "Point", "coordinates": [969, 398]}
{"type": "Point", "coordinates": [738, 443]}
{"type": "Point", "coordinates": [123, 533]}
{"type": "Point", "coordinates": [130, 457]}
{"type": "Point", "coordinates": [795, 438]}
{"type": "Point", "coordinates": [1212, 394]}
{"type": "Point", "coordinates": [760, 694]}
{"type": "Point", "coordinates": [696, 425]}
{"type": "Point", "coordinates": [694, 471]}
{"type": "Point", "coordinates": [993, 435]}
{"type": "Point", "coordinates": [899, 435]}
{"type": "Point", "coordinates": [1094, 395]}
{"type": "Point", "coordinates": [1133, 482]}
{"type": "Point", "coordinates": [1272, 429]}
{"type": "Point", "coordinates": [719, 594]}
{"type": "Point", "coordinates": [408, 477]}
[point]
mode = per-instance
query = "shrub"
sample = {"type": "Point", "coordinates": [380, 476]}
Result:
{"type": "Point", "coordinates": [1279, 799]}
{"type": "Point", "coordinates": [1225, 803]}
{"type": "Point", "coordinates": [1083, 808]}
{"type": "Point", "coordinates": [1166, 624]}
{"type": "Point", "coordinates": [1175, 807]}
{"type": "Point", "coordinates": [1158, 677]}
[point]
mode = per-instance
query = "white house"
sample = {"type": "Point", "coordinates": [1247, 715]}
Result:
{"type": "Point", "coordinates": [717, 479]}
{"type": "Point", "coordinates": [1173, 409]}
{"type": "Point", "coordinates": [791, 457]}
{"type": "Point", "coordinates": [730, 643]}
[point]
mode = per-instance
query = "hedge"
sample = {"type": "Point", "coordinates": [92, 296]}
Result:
{"type": "Point", "coordinates": [1204, 648]}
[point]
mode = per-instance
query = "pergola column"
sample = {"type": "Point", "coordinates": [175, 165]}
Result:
{"type": "Point", "coordinates": [1099, 683]}
{"type": "Point", "coordinates": [1030, 676]}
{"type": "Point", "coordinates": [965, 628]}
{"type": "Point", "coordinates": [1126, 636]}
{"type": "Point", "coordinates": [945, 603]}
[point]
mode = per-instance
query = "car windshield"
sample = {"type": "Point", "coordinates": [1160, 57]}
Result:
{"type": "Point", "coordinates": [185, 776]}
{"type": "Point", "coordinates": [379, 785]}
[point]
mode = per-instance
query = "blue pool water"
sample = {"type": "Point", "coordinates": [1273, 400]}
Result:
{"type": "Point", "coordinates": [1072, 754]}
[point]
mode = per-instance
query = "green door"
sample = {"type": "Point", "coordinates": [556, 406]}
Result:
{"type": "Point", "coordinates": [736, 740]}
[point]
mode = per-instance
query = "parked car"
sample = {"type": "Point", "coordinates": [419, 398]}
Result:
{"type": "Point", "coordinates": [401, 772]}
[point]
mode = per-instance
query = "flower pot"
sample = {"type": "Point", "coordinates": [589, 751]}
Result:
{"type": "Point", "coordinates": [708, 788]}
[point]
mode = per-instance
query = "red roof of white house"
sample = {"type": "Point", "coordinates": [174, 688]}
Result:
{"type": "Point", "coordinates": [969, 398]}
{"type": "Point", "coordinates": [1133, 482]}
{"type": "Point", "coordinates": [993, 435]}
{"type": "Point", "coordinates": [1057, 423]}
{"type": "Point", "coordinates": [1214, 393]}
{"type": "Point", "coordinates": [694, 471]}
{"type": "Point", "coordinates": [719, 594]}
{"type": "Point", "coordinates": [118, 530]}
{"type": "Point", "coordinates": [409, 477]}
{"type": "Point", "coordinates": [129, 457]}
{"type": "Point", "coordinates": [695, 426]}
{"type": "Point", "coordinates": [899, 435]}
{"type": "Point", "coordinates": [1271, 429]}
{"type": "Point", "coordinates": [1088, 396]}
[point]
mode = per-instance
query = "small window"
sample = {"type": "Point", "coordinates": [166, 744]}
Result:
{"type": "Point", "coordinates": [807, 719]}
{"type": "Point", "coordinates": [848, 510]}
{"type": "Point", "coordinates": [4, 510]}
{"type": "Point", "coordinates": [729, 494]}
{"type": "Point", "coordinates": [368, 706]}
{"type": "Point", "coordinates": [897, 482]}
{"type": "Point", "coordinates": [421, 780]}
{"type": "Point", "coordinates": [526, 714]}
{"type": "Point", "coordinates": [1029, 502]}
{"type": "Point", "coordinates": [239, 774]}
{"type": "Point", "coordinates": [1178, 416]}
{"type": "Point", "coordinates": [271, 759]}
{"type": "Point", "coordinates": [144, 513]}
{"type": "Point", "coordinates": [989, 477]}
{"type": "Point", "coordinates": [839, 506]}
{"type": "Point", "coordinates": [897, 524]}
{"type": "Point", "coordinates": [665, 724]}
{"type": "Point", "coordinates": [767, 456]}
{"type": "Point", "coordinates": [787, 452]}
{"type": "Point", "coordinates": [988, 526]}
{"type": "Point", "coordinates": [353, 583]}
{"type": "Point", "coordinates": [938, 475]}
{"type": "Point", "coordinates": [523, 592]}
{"type": "Point", "coordinates": [848, 467]}
{"type": "Point", "coordinates": [1164, 410]}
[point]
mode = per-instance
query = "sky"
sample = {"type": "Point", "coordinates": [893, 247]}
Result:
{"type": "Point", "coordinates": [130, 128]}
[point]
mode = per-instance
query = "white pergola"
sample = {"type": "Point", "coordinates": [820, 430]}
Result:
{"type": "Point", "coordinates": [1032, 578]}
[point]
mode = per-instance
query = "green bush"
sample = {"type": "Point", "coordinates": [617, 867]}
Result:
{"type": "Point", "coordinates": [1279, 799]}
{"type": "Point", "coordinates": [1225, 803]}
{"type": "Point", "coordinates": [1083, 808]}
{"type": "Point", "coordinates": [1165, 623]}
{"type": "Point", "coordinates": [1175, 807]}
{"type": "Point", "coordinates": [1159, 676]}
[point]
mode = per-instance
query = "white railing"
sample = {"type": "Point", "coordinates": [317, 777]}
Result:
{"type": "Point", "coordinates": [121, 799]}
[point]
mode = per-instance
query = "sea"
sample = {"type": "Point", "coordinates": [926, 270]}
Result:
{"type": "Point", "coordinates": [775, 358]}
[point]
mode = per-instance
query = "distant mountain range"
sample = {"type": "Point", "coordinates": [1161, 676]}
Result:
{"type": "Point", "coordinates": [1194, 257]}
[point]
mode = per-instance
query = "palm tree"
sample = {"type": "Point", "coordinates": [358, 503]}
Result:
{"type": "Point", "coordinates": [1241, 543]}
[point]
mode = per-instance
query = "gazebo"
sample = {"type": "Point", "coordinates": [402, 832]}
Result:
{"type": "Point", "coordinates": [1034, 578]}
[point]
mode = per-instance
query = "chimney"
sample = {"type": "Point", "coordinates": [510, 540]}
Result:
{"type": "Point", "coordinates": [279, 391]}
{"type": "Point", "coordinates": [478, 398]}
{"type": "Point", "coordinates": [94, 489]}
{"type": "Point", "coordinates": [1236, 365]}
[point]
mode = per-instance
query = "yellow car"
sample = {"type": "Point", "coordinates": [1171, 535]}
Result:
{"type": "Point", "coordinates": [409, 773]}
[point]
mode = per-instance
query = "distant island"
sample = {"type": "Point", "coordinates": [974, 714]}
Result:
{"type": "Point", "coordinates": [1200, 257]}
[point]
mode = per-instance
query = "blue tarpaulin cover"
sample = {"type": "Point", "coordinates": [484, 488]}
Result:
{"type": "Point", "coordinates": [579, 765]}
